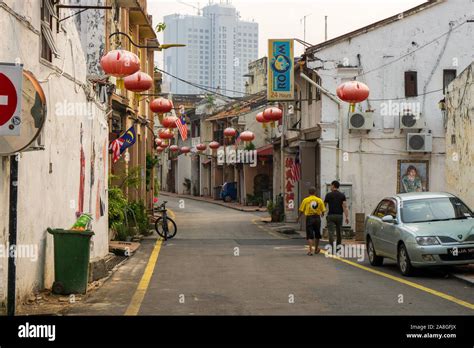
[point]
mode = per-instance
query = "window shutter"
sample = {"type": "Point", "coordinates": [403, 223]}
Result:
{"type": "Point", "coordinates": [411, 87]}
{"type": "Point", "coordinates": [48, 35]}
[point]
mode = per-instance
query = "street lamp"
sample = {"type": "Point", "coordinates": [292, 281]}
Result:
{"type": "Point", "coordinates": [158, 47]}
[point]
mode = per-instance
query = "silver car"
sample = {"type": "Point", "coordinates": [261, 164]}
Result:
{"type": "Point", "coordinates": [419, 230]}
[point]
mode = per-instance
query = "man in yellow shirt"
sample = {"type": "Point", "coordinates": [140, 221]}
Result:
{"type": "Point", "coordinates": [313, 208]}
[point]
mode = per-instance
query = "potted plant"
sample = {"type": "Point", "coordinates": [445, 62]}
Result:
{"type": "Point", "coordinates": [187, 185]}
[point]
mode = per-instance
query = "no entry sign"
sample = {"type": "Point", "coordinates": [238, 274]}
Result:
{"type": "Point", "coordinates": [11, 79]}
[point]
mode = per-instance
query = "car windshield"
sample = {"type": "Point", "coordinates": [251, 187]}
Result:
{"type": "Point", "coordinates": [434, 209]}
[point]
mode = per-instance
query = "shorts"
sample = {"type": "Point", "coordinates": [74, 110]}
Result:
{"type": "Point", "coordinates": [313, 227]}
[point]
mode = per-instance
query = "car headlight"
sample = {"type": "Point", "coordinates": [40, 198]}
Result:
{"type": "Point", "coordinates": [427, 240]}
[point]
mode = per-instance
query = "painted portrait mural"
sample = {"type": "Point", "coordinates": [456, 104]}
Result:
{"type": "Point", "coordinates": [413, 176]}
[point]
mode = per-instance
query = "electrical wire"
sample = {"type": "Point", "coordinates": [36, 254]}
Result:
{"type": "Point", "coordinates": [411, 52]}
{"type": "Point", "coordinates": [204, 88]}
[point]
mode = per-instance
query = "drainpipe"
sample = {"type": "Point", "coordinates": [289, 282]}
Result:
{"type": "Point", "coordinates": [339, 124]}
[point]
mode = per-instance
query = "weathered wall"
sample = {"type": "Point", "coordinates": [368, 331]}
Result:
{"type": "Point", "coordinates": [91, 27]}
{"type": "Point", "coordinates": [258, 81]}
{"type": "Point", "coordinates": [371, 160]}
{"type": "Point", "coordinates": [49, 179]}
{"type": "Point", "coordinates": [460, 137]}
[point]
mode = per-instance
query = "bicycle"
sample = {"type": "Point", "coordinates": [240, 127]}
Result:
{"type": "Point", "coordinates": [163, 223]}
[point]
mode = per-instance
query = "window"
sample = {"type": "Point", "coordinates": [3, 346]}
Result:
{"type": "Point", "coordinates": [381, 209]}
{"type": "Point", "coordinates": [448, 76]}
{"type": "Point", "coordinates": [392, 209]}
{"type": "Point", "coordinates": [309, 87]}
{"type": "Point", "coordinates": [195, 129]}
{"type": "Point", "coordinates": [435, 209]}
{"type": "Point", "coordinates": [411, 87]}
{"type": "Point", "coordinates": [48, 46]}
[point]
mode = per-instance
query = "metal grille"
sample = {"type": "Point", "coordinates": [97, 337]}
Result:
{"type": "Point", "coordinates": [417, 142]}
{"type": "Point", "coordinates": [408, 120]}
{"type": "Point", "coordinates": [357, 120]}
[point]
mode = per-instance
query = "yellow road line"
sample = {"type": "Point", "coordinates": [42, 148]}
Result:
{"type": "Point", "coordinates": [406, 282]}
{"type": "Point", "coordinates": [171, 213]}
{"type": "Point", "coordinates": [139, 294]}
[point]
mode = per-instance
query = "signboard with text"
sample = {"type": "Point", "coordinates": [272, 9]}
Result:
{"type": "Point", "coordinates": [280, 69]}
{"type": "Point", "coordinates": [11, 79]}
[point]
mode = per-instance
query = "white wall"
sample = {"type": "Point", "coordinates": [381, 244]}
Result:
{"type": "Point", "coordinates": [372, 158]}
{"type": "Point", "coordinates": [49, 179]}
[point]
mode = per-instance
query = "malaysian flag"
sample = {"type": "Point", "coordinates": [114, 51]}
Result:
{"type": "Point", "coordinates": [182, 127]}
{"type": "Point", "coordinates": [296, 168]}
{"type": "Point", "coordinates": [119, 145]}
{"type": "Point", "coordinates": [237, 139]}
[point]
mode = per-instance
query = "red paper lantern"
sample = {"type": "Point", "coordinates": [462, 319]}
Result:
{"type": "Point", "coordinates": [158, 141]}
{"type": "Point", "coordinates": [120, 63]}
{"type": "Point", "coordinates": [247, 136]}
{"type": "Point", "coordinates": [214, 145]}
{"type": "Point", "coordinates": [260, 119]}
{"type": "Point", "coordinates": [272, 114]}
{"type": "Point", "coordinates": [201, 147]}
{"type": "Point", "coordinates": [166, 134]}
{"type": "Point", "coordinates": [352, 92]}
{"type": "Point", "coordinates": [185, 149]}
{"type": "Point", "coordinates": [160, 149]}
{"type": "Point", "coordinates": [138, 82]}
{"type": "Point", "coordinates": [174, 148]}
{"type": "Point", "coordinates": [169, 122]}
{"type": "Point", "coordinates": [161, 105]}
{"type": "Point", "coordinates": [229, 132]}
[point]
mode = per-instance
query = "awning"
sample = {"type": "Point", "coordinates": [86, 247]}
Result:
{"type": "Point", "coordinates": [266, 150]}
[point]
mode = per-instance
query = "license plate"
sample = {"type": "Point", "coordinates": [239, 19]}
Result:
{"type": "Point", "coordinates": [460, 251]}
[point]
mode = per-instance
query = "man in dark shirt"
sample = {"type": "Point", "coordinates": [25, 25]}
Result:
{"type": "Point", "coordinates": [337, 203]}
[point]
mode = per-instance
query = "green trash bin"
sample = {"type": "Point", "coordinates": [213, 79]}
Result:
{"type": "Point", "coordinates": [71, 260]}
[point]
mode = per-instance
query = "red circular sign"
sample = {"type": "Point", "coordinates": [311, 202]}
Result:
{"type": "Point", "coordinates": [8, 99]}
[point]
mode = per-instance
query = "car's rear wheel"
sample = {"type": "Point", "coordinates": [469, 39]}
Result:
{"type": "Point", "coordinates": [374, 259]}
{"type": "Point", "coordinates": [403, 260]}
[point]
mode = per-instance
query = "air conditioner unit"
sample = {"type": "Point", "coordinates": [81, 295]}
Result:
{"type": "Point", "coordinates": [419, 142]}
{"type": "Point", "coordinates": [361, 120]}
{"type": "Point", "coordinates": [411, 121]}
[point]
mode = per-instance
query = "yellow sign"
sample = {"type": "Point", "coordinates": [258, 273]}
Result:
{"type": "Point", "coordinates": [280, 77]}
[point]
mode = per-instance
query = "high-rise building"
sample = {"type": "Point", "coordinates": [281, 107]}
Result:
{"type": "Point", "coordinates": [219, 47]}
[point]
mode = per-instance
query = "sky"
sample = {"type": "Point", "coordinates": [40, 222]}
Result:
{"type": "Point", "coordinates": [283, 18]}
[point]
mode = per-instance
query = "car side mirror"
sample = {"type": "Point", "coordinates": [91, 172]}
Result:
{"type": "Point", "coordinates": [388, 219]}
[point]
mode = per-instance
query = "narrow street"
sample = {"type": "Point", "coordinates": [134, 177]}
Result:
{"type": "Point", "coordinates": [199, 273]}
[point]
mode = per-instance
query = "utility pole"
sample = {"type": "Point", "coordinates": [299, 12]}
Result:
{"type": "Point", "coordinates": [304, 25]}
{"type": "Point", "coordinates": [325, 28]}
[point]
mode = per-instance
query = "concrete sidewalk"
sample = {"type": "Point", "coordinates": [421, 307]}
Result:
{"type": "Point", "coordinates": [232, 205]}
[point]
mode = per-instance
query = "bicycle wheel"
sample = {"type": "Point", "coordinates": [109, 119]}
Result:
{"type": "Point", "coordinates": [171, 228]}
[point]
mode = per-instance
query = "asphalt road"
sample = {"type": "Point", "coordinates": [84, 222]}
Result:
{"type": "Point", "coordinates": [224, 261]}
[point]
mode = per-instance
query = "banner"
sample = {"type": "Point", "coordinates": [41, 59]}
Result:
{"type": "Point", "coordinates": [280, 70]}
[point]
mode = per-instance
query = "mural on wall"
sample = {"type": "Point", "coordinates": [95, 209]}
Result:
{"type": "Point", "coordinates": [289, 184]}
{"type": "Point", "coordinates": [100, 205]}
{"type": "Point", "coordinates": [412, 176]}
{"type": "Point", "coordinates": [92, 175]}
{"type": "Point", "coordinates": [82, 176]}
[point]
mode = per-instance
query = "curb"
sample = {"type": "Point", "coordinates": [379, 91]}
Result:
{"type": "Point", "coordinates": [462, 278]}
{"type": "Point", "coordinates": [167, 194]}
